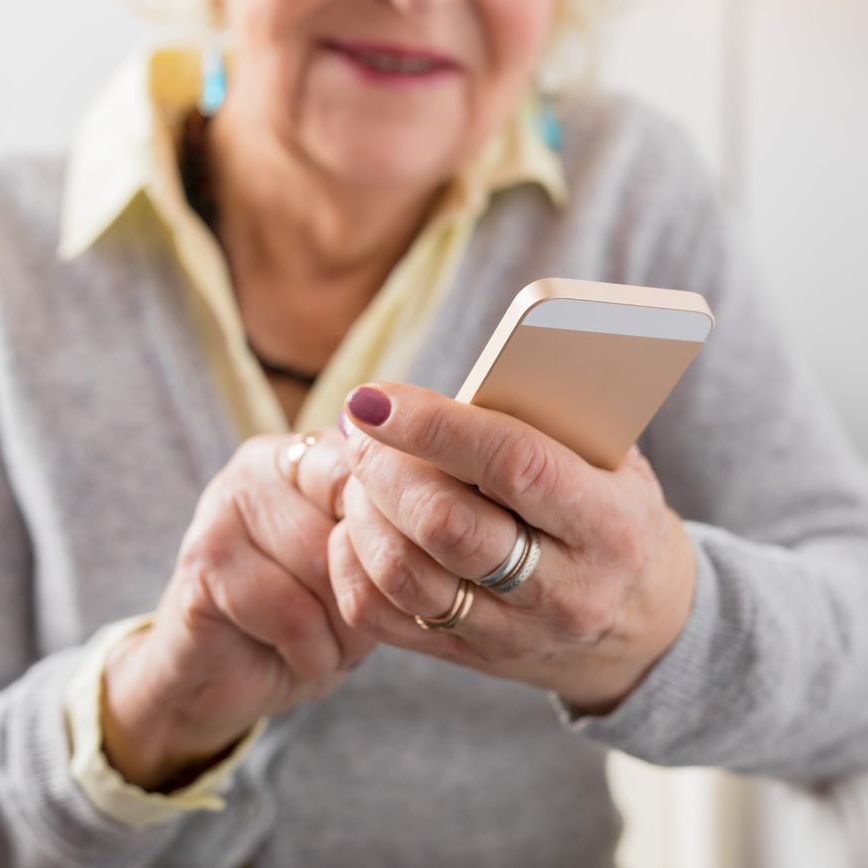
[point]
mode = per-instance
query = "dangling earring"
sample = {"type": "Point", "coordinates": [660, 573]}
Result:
{"type": "Point", "coordinates": [549, 117]}
{"type": "Point", "coordinates": [213, 80]}
{"type": "Point", "coordinates": [213, 60]}
{"type": "Point", "coordinates": [550, 122]}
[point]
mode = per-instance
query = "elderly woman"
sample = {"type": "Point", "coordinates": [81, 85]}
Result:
{"type": "Point", "coordinates": [360, 210]}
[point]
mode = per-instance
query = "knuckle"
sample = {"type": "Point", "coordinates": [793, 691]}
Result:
{"type": "Point", "coordinates": [429, 430]}
{"type": "Point", "coordinates": [359, 608]}
{"type": "Point", "coordinates": [248, 508]}
{"type": "Point", "coordinates": [201, 570]}
{"type": "Point", "coordinates": [393, 573]}
{"type": "Point", "coordinates": [589, 618]}
{"type": "Point", "coordinates": [210, 554]}
{"type": "Point", "coordinates": [520, 467]}
{"type": "Point", "coordinates": [443, 524]}
{"type": "Point", "coordinates": [194, 603]}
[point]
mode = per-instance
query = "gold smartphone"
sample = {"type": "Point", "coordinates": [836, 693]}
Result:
{"type": "Point", "coordinates": [588, 363]}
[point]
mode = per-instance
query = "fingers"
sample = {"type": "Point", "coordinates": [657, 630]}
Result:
{"type": "Point", "coordinates": [509, 461]}
{"type": "Point", "coordinates": [493, 638]}
{"type": "Point", "coordinates": [404, 574]}
{"type": "Point", "coordinates": [321, 472]}
{"type": "Point", "coordinates": [287, 529]}
{"type": "Point", "coordinates": [277, 517]}
{"type": "Point", "coordinates": [366, 609]}
{"type": "Point", "coordinates": [261, 599]}
{"type": "Point", "coordinates": [464, 533]}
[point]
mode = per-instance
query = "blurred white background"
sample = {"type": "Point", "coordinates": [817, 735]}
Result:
{"type": "Point", "coordinates": [773, 92]}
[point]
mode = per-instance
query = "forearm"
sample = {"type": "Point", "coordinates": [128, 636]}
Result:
{"type": "Point", "coordinates": [145, 737]}
{"type": "Point", "coordinates": [768, 675]}
{"type": "Point", "coordinates": [61, 801]}
{"type": "Point", "coordinates": [45, 818]}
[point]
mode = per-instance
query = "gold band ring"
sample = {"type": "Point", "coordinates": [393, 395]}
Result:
{"type": "Point", "coordinates": [456, 613]}
{"type": "Point", "coordinates": [290, 456]}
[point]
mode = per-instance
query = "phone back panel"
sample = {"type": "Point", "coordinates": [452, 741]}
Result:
{"type": "Point", "coordinates": [586, 365]}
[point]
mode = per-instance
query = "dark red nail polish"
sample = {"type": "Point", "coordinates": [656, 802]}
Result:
{"type": "Point", "coordinates": [370, 406]}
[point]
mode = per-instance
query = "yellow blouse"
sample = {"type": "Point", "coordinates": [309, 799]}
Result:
{"type": "Point", "coordinates": [127, 144]}
{"type": "Point", "coordinates": [124, 156]}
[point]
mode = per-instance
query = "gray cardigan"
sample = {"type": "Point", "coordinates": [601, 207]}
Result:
{"type": "Point", "coordinates": [110, 426]}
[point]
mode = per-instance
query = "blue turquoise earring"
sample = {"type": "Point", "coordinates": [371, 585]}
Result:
{"type": "Point", "coordinates": [549, 122]}
{"type": "Point", "coordinates": [548, 88]}
{"type": "Point", "coordinates": [213, 80]}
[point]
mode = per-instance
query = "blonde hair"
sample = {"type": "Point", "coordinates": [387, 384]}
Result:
{"type": "Point", "coordinates": [579, 15]}
{"type": "Point", "coordinates": [573, 53]}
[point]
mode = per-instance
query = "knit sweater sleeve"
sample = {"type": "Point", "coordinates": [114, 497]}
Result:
{"type": "Point", "coordinates": [65, 808]}
{"type": "Point", "coordinates": [769, 673]}
{"type": "Point", "coordinates": [46, 820]}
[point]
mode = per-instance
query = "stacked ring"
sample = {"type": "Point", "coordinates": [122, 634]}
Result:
{"type": "Point", "coordinates": [456, 613]}
{"type": "Point", "coordinates": [510, 562]}
{"type": "Point", "coordinates": [519, 564]}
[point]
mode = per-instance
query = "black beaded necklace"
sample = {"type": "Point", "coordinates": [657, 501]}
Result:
{"type": "Point", "coordinates": [193, 164]}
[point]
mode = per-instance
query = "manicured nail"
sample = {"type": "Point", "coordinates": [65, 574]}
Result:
{"type": "Point", "coordinates": [369, 405]}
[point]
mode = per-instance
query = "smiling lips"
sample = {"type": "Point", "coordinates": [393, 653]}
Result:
{"type": "Point", "coordinates": [386, 62]}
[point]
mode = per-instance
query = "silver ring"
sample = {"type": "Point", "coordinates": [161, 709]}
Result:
{"type": "Point", "coordinates": [526, 569]}
{"type": "Point", "coordinates": [510, 562]}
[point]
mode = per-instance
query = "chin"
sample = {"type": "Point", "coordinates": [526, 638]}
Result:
{"type": "Point", "coordinates": [385, 156]}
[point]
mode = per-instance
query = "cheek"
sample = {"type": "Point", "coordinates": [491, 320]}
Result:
{"type": "Point", "coordinates": [516, 33]}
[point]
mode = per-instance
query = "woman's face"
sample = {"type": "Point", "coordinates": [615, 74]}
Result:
{"type": "Point", "coordinates": [385, 92]}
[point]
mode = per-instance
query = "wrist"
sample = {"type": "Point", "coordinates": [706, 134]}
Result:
{"type": "Point", "coordinates": [148, 735]}
{"type": "Point", "coordinates": [653, 622]}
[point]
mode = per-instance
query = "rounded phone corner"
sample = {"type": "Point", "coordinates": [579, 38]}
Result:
{"type": "Point", "coordinates": [535, 294]}
{"type": "Point", "coordinates": [712, 324]}
{"type": "Point", "coordinates": [532, 295]}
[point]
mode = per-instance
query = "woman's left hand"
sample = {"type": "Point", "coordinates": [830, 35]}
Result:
{"type": "Point", "coordinates": [432, 484]}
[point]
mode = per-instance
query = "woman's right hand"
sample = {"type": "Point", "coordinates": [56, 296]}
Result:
{"type": "Point", "coordinates": [248, 625]}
